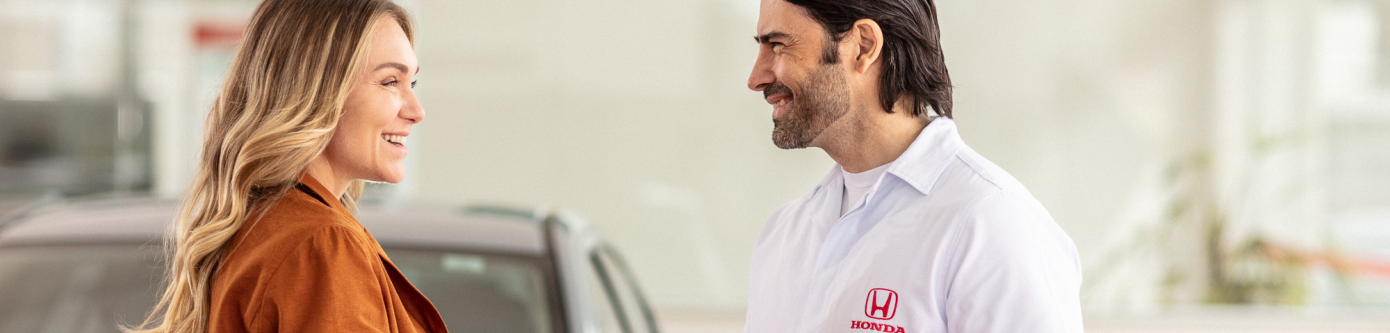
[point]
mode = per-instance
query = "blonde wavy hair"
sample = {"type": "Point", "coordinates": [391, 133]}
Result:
{"type": "Point", "coordinates": [277, 110]}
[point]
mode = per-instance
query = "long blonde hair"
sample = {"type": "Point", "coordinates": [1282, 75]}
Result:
{"type": "Point", "coordinates": [277, 110]}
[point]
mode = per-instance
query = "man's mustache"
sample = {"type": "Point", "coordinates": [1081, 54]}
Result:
{"type": "Point", "coordinates": [776, 88]}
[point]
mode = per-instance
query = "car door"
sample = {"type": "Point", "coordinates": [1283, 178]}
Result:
{"type": "Point", "coordinates": [625, 301]}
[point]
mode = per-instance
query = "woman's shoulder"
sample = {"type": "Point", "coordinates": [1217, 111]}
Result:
{"type": "Point", "coordinates": [298, 209]}
{"type": "Point", "coordinates": [295, 253]}
{"type": "Point", "coordinates": [292, 221]}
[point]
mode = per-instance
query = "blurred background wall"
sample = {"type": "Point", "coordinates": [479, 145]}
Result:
{"type": "Point", "coordinates": [1201, 153]}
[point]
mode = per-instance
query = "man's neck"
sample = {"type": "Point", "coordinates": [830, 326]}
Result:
{"type": "Point", "coordinates": [872, 138]}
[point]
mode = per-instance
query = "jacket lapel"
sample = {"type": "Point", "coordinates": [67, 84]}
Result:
{"type": "Point", "coordinates": [419, 307]}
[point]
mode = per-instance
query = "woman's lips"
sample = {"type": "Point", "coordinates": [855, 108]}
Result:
{"type": "Point", "coordinates": [396, 141]}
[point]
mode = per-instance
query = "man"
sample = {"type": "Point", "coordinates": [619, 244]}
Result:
{"type": "Point", "coordinates": [911, 231]}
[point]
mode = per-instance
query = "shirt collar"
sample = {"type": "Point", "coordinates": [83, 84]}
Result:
{"type": "Point", "coordinates": [926, 158]}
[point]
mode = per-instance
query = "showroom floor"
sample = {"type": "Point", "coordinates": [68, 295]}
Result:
{"type": "Point", "coordinates": [1209, 320]}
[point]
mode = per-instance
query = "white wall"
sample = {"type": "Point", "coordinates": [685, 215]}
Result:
{"type": "Point", "coordinates": [632, 113]}
{"type": "Point", "coordinates": [635, 113]}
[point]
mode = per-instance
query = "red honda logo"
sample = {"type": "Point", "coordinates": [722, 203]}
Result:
{"type": "Point", "coordinates": [882, 304]}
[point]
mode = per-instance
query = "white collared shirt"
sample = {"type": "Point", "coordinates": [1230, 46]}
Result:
{"type": "Point", "coordinates": [945, 241]}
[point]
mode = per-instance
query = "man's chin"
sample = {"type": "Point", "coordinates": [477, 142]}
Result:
{"type": "Point", "coordinates": [786, 141]}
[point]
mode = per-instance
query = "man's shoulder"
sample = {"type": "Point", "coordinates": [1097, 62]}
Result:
{"type": "Point", "coordinates": [970, 189]}
{"type": "Point", "coordinates": [965, 179]}
{"type": "Point", "coordinates": [993, 175]}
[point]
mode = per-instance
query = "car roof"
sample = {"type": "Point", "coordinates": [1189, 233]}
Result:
{"type": "Point", "coordinates": [143, 220]}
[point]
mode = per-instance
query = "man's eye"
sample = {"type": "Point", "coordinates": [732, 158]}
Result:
{"type": "Point", "coordinates": [777, 46]}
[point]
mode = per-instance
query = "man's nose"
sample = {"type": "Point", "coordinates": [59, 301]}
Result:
{"type": "Point", "coordinates": [762, 74]}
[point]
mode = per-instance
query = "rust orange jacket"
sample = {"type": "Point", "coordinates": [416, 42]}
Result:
{"type": "Point", "coordinates": [309, 266]}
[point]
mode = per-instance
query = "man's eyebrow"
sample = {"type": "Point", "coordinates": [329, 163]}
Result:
{"type": "Point", "coordinates": [767, 37]}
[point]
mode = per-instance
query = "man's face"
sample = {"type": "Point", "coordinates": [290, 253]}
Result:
{"type": "Point", "coordinates": [807, 94]}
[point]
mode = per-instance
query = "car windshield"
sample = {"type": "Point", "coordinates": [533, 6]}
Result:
{"type": "Point", "coordinates": [481, 293]}
{"type": "Point", "coordinates": [96, 288]}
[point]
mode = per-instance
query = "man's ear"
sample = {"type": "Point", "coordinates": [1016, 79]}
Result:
{"type": "Point", "coordinates": [869, 39]}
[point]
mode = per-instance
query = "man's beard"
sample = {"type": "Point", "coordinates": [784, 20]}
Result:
{"type": "Point", "coordinates": [822, 101]}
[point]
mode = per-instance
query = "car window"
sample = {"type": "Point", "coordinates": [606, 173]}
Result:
{"type": "Point", "coordinates": [482, 293]}
{"type": "Point", "coordinates": [603, 304]}
{"type": "Point", "coordinates": [634, 306]}
{"type": "Point", "coordinates": [93, 289]}
{"type": "Point", "coordinates": [77, 289]}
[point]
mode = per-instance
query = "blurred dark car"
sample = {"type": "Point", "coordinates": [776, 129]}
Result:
{"type": "Point", "coordinates": [87, 266]}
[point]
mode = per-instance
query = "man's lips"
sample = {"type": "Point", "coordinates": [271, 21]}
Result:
{"type": "Point", "coordinates": [779, 103]}
{"type": "Point", "coordinates": [778, 98]}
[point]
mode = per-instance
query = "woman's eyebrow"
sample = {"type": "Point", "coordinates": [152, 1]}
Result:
{"type": "Point", "coordinates": [398, 66]}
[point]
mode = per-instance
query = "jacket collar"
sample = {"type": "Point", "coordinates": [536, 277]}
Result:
{"type": "Point", "coordinates": [322, 192]}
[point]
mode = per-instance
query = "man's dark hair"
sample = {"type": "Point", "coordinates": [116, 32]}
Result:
{"type": "Point", "coordinates": [912, 60]}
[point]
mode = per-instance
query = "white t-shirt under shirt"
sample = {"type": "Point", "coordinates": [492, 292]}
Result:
{"type": "Point", "coordinates": [857, 186]}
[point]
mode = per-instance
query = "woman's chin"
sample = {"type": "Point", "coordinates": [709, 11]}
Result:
{"type": "Point", "coordinates": [393, 177]}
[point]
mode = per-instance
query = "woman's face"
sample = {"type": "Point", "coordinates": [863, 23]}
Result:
{"type": "Point", "coordinates": [370, 141]}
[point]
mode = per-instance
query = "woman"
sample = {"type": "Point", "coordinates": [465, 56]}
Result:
{"type": "Point", "coordinates": [318, 99]}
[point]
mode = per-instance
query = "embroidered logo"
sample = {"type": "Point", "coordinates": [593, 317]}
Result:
{"type": "Point", "coordinates": [872, 326]}
{"type": "Point", "coordinates": [881, 304]}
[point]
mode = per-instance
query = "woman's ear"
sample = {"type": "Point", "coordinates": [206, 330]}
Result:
{"type": "Point", "coordinates": [868, 39]}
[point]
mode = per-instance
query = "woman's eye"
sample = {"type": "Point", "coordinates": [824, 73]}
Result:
{"type": "Point", "coordinates": [413, 83]}
{"type": "Point", "coordinates": [391, 83]}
